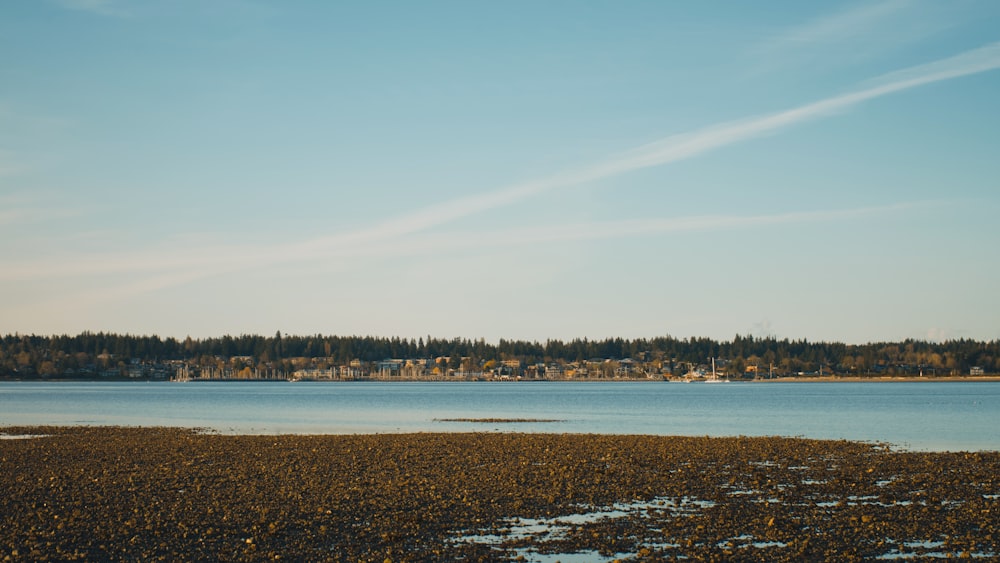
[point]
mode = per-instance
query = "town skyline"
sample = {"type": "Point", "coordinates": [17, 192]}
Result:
{"type": "Point", "coordinates": [330, 357]}
{"type": "Point", "coordinates": [822, 172]}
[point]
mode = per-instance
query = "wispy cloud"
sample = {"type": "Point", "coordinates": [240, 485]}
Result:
{"type": "Point", "coordinates": [396, 234]}
{"type": "Point", "coordinates": [99, 7]}
{"type": "Point", "coordinates": [862, 32]}
{"type": "Point", "coordinates": [21, 208]}
{"type": "Point", "coordinates": [975, 61]}
{"type": "Point", "coordinates": [599, 230]}
{"type": "Point", "coordinates": [130, 275]}
{"type": "Point", "coordinates": [683, 146]}
{"type": "Point", "coordinates": [839, 26]}
{"type": "Point", "coordinates": [9, 165]}
{"type": "Point", "coordinates": [182, 265]}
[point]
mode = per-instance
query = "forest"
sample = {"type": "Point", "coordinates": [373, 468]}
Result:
{"type": "Point", "coordinates": [89, 353]}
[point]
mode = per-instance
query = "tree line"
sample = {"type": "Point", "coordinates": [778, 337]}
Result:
{"type": "Point", "coordinates": [27, 355]}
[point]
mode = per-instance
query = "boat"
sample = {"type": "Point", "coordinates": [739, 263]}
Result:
{"type": "Point", "coordinates": [715, 378]}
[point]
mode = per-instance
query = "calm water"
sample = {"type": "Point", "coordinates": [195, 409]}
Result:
{"type": "Point", "coordinates": [911, 415]}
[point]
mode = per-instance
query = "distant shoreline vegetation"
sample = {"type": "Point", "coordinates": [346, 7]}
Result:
{"type": "Point", "coordinates": [499, 420]}
{"type": "Point", "coordinates": [283, 357]}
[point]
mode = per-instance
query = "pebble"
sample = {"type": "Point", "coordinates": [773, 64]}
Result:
{"type": "Point", "coordinates": [164, 494]}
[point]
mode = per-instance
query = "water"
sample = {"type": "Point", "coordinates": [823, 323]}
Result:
{"type": "Point", "coordinates": [932, 416]}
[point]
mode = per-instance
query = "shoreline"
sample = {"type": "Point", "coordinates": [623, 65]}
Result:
{"type": "Point", "coordinates": [779, 379]}
{"type": "Point", "coordinates": [160, 494]}
{"type": "Point", "coordinates": [885, 378]}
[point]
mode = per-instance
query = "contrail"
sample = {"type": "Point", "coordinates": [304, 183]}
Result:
{"type": "Point", "coordinates": [571, 232]}
{"type": "Point", "coordinates": [680, 147]}
{"type": "Point", "coordinates": [670, 149]}
{"type": "Point", "coordinates": [684, 146]}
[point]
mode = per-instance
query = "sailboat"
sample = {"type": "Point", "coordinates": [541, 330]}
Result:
{"type": "Point", "coordinates": [715, 378]}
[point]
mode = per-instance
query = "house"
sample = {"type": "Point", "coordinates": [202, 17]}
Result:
{"type": "Point", "coordinates": [387, 368]}
{"type": "Point", "coordinates": [977, 370]}
{"type": "Point", "coordinates": [413, 370]}
{"type": "Point", "coordinates": [313, 374]}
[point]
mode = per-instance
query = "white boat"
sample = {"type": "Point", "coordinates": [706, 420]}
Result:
{"type": "Point", "coordinates": [715, 378]}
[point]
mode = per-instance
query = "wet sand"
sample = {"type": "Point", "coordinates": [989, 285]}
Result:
{"type": "Point", "coordinates": [157, 494]}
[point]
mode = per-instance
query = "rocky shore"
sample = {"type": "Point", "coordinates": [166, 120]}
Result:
{"type": "Point", "coordinates": [161, 494]}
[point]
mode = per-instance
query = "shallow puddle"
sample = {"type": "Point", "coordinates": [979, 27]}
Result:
{"type": "Point", "coordinates": [542, 531]}
{"type": "Point", "coordinates": [930, 549]}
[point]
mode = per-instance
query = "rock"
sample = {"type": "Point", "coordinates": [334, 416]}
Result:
{"type": "Point", "coordinates": [415, 496]}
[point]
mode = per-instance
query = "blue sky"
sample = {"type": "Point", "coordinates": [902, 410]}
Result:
{"type": "Point", "coordinates": [525, 170]}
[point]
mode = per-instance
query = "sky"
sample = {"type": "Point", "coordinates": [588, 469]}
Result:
{"type": "Point", "coordinates": [520, 170]}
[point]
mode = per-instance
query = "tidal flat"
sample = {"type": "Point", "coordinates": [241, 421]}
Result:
{"type": "Point", "coordinates": [166, 494]}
